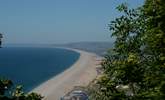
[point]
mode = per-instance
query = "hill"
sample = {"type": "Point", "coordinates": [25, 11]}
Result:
{"type": "Point", "coordinates": [99, 48]}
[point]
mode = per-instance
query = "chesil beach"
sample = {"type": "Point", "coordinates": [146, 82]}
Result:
{"type": "Point", "coordinates": [50, 71]}
{"type": "Point", "coordinates": [82, 49]}
{"type": "Point", "coordinates": [81, 73]}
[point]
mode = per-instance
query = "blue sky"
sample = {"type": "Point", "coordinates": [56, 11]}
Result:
{"type": "Point", "coordinates": [58, 21]}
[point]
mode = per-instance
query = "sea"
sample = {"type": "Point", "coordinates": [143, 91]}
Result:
{"type": "Point", "coordinates": [31, 66]}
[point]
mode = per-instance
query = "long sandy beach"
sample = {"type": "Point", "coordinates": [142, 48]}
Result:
{"type": "Point", "coordinates": [81, 73]}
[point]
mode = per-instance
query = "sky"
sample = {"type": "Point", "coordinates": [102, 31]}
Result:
{"type": "Point", "coordinates": [58, 21]}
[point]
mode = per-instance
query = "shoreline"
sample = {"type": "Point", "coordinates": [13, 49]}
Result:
{"type": "Point", "coordinates": [81, 73]}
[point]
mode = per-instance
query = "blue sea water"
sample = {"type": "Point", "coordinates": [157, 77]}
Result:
{"type": "Point", "coordinates": [30, 66]}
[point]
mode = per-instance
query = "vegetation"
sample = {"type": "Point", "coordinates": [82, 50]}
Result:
{"type": "Point", "coordinates": [6, 93]}
{"type": "Point", "coordinates": [135, 68]}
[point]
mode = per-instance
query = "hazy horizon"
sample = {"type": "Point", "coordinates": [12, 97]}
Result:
{"type": "Point", "coordinates": [58, 21]}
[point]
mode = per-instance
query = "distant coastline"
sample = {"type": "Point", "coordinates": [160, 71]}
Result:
{"type": "Point", "coordinates": [99, 48]}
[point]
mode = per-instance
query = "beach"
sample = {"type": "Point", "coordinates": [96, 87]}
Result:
{"type": "Point", "coordinates": [81, 73]}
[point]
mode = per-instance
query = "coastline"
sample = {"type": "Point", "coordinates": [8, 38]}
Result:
{"type": "Point", "coordinates": [81, 73]}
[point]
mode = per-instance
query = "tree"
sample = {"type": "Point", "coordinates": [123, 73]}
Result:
{"type": "Point", "coordinates": [135, 68]}
{"type": "Point", "coordinates": [6, 93]}
{"type": "Point", "coordinates": [1, 39]}
{"type": "Point", "coordinates": [155, 45]}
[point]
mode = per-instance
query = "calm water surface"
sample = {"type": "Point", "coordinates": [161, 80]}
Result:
{"type": "Point", "coordinates": [30, 66]}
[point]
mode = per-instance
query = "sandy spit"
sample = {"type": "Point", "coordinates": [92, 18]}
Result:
{"type": "Point", "coordinates": [81, 73]}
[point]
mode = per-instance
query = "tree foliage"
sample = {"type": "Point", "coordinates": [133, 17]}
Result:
{"type": "Point", "coordinates": [135, 68]}
{"type": "Point", "coordinates": [6, 93]}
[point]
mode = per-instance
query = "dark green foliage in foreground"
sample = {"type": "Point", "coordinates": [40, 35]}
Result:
{"type": "Point", "coordinates": [135, 68]}
{"type": "Point", "coordinates": [7, 94]}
